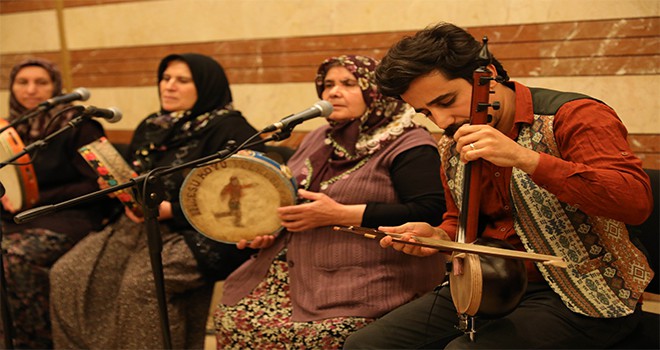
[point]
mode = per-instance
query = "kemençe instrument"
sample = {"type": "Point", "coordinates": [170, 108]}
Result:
{"type": "Point", "coordinates": [18, 178]}
{"type": "Point", "coordinates": [480, 285]}
{"type": "Point", "coordinates": [237, 198]}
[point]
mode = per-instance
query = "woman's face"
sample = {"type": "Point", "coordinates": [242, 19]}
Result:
{"type": "Point", "coordinates": [342, 90]}
{"type": "Point", "coordinates": [32, 86]}
{"type": "Point", "coordinates": [177, 88]}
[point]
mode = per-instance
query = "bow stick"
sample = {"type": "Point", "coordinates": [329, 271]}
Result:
{"type": "Point", "coordinates": [444, 245]}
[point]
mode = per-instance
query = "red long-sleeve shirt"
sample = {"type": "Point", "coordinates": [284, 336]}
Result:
{"type": "Point", "coordinates": [598, 173]}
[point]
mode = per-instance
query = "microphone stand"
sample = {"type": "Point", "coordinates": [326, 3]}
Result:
{"type": "Point", "coordinates": [150, 198]}
{"type": "Point", "coordinates": [32, 113]}
{"type": "Point", "coordinates": [7, 323]}
{"type": "Point", "coordinates": [42, 142]}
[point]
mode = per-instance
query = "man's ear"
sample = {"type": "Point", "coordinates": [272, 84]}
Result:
{"type": "Point", "coordinates": [493, 70]}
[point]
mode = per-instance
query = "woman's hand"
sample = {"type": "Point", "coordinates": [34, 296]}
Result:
{"type": "Point", "coordinates": [320, 211]}
{"type": "Point", "coordinates": [164, 213]}
{"type": "Point", "coordinates": [258, 242]}
{"type": "Point", "coordinates": [7, 204]}
{"type": "Point", "coordinates": [409, 230]}
{"type": "Point", "coordinates": [132, 216]}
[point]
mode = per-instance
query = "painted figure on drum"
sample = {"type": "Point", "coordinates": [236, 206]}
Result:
{"type": "Point", "coordinates": [233, 190]}
{"type": "Point", "coordinates": [310, 286]}
{"type": "Point", "coordinates": [61, 174]}
{"type": "Point", "coordinates": [106, 282]}
{"type": "Point", "coordinates": [557, 177]}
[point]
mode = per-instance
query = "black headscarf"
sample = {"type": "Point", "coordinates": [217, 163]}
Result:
{"type": "Point", "coordinates": [166, 129]}
{"type": "Point", "coordinates": [210, 81]}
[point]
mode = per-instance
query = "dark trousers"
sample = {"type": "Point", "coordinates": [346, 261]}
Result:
{"type": "Point", "coordinates": [540, 321]}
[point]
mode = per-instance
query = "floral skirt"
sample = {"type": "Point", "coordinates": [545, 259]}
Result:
{"type": "Point", "coordinates": [262, 320]}
{"type": "Point", "coordinates": [28, 256]}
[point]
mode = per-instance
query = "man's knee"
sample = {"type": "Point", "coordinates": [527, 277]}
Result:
{"type": "Point", "coordinates": [359, 340]}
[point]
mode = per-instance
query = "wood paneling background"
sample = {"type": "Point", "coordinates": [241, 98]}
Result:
{"type": "Point", "coordinates": [612, 47]}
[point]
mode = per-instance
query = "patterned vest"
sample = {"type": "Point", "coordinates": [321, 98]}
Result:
{"type": "Point", "coordinates": [607, 274]}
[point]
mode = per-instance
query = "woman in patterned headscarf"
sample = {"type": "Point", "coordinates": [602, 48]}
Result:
{"type": "Point", "coordinates": [311, 286]}
{"type": "Point", "coordinates": [103, 289]}
{"type": "Point", "coordinates": [61, 173]}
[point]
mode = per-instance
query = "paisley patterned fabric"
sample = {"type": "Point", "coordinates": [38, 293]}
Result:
{"type": "Point", "coordinates": [607, 274]}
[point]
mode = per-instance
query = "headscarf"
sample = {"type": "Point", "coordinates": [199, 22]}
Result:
{"type": "Point", "coordinates": [166, 129]}
{"type": "Point", "coordinates": [210, 81]}
{"type": "Point", "coordinates": [349, 144]}
{"type": "Point", "coordinates": [35, 127]}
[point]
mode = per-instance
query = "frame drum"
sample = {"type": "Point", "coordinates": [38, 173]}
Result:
{"type": "Point", "coordinates": [237, 198]}
{"type": "Point", "coordinates": [112, 169]}
{"type": "Point", "coordinates": [20, 181]}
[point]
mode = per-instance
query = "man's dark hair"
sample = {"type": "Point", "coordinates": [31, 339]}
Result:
{"type": "Point", "coordinates": [444, 47]}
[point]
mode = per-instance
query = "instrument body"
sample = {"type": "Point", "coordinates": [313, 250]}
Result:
{"type": "Point", "coordinates": [20, 181]}
{"type": "Point", "coordinates": [237, 198]}
{"type": "Point", "coordinates": [490, 286]}
{"type": "Point", "coordinates": [112, 169]}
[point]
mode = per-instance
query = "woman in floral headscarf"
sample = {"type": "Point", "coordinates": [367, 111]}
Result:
{"type": "Point", "coordinates": [311, 286]}
{"type": "Point", "coordinates": [31, 248]}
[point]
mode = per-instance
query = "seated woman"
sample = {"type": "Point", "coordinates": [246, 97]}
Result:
{"type": "Point", "coordinates": [103, 289]}
{"type": "Point", "coordinates": [371, 165]}
{"type": "Point", "coordinates": [31, 248]}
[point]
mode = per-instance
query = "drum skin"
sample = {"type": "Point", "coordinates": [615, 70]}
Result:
{"type": "Point", "coordinates": [237, 198]}
{"type": "Point", "coordinates": [491, 288]}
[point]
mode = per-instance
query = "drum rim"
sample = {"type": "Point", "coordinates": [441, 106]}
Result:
{"type": "Point", "coordinates": [125, 196]}
{"type": "Point", "coordinates": [25, 174]}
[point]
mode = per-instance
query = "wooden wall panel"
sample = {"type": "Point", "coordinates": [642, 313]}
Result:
{"type": "Point", "coordinates": [613, 47]}
{"type": "Point", "coordinates": [16, 6]}
{"type": "Point", "coordinates": [589, 48]}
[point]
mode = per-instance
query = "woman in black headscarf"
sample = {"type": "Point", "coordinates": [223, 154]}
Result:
{"type": "Point", "coordinates": [61, 174]}
{"type": "Point", "coordinates": [103, 289]}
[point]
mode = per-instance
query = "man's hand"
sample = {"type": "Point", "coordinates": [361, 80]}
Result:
{"type": "Point", "coordinates": [409, 230]}
{"type": "Point", "coordinates": [486, 142]}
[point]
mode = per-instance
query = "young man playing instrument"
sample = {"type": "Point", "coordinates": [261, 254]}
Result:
{"type": "Point", "coordinates": [558, 177]}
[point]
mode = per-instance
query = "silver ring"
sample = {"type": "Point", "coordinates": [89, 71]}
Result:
{"type": "Point", "coordinates": [472, 146]}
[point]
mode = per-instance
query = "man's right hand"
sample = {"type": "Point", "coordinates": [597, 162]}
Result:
{"type": "Point", "coordinates": [409, 230]}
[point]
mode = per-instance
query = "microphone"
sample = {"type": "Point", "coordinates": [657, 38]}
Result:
{"type": "Point", "coordinates": [81, 94]}
{"type": "Point", "coordinates": [319, 109]}
{"type": "Point", "coordinates": [111, 115]}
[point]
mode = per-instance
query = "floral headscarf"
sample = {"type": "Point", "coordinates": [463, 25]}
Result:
{"type": "Point", "coordinates": [167, 129]}
{"type": "Point", "coordinates": [349, 144]}
{"type": "Point", "coordinates": [35, 127]}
